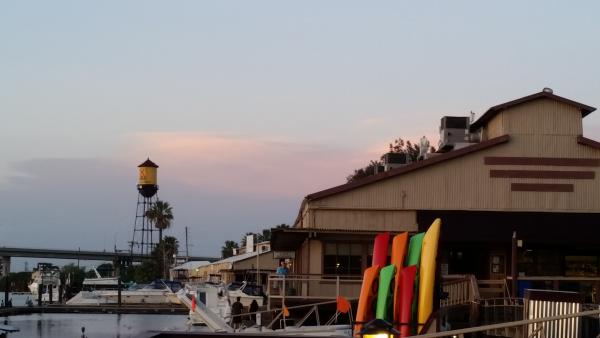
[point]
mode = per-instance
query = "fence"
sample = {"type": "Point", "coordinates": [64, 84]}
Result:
{"type": "Point", "coordinates": [311, 287]}
{"type": "Point", "coordinates": [518, 328]}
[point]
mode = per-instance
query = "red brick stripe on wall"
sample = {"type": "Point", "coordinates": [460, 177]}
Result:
{"type": "Point", "coordinates": [574, 162]}
{"type": "Point", "coordinates": [583, 175]}
{"type": "Point", "coordinates": [542, 187]}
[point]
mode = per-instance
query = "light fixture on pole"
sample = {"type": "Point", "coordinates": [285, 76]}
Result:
{"type": "Point", "coordinates": [379, 328]}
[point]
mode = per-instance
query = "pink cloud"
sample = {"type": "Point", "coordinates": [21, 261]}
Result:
{"type": "Point", "coordinates": [247, 165]}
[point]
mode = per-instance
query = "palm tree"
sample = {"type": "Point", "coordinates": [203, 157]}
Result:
{"type": "Point", "coordinates": [161, 215]}
{"type": "Point", "coordinates": [227, 249]}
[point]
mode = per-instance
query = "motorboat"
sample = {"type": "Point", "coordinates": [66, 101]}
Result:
{"type": "Point", "coordinates": [100, 283]}
{"type": "Point", "coordinates": [157, 292]}
{"type": "Point", "coordinates": [47, 276]}
{"type": "Point", "coordinates": [247, 293]}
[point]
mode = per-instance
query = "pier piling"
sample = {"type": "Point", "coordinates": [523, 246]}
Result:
{"type": "Point", "coordinates": [6, 290]}
{"type": "Point", "coordinates": [40, 292]}
{"type": "Point", "coordinates": [119, 291]}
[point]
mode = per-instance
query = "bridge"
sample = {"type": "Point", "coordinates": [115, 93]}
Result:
{"type": "Point", "coordinates": [7, 253]}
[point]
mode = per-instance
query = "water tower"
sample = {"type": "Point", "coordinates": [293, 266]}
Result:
{"type": "Point", "coordinates": [143, 239]}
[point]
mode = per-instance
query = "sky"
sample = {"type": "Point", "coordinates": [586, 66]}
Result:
{"type": "Point", "coordinates": [248, 106]}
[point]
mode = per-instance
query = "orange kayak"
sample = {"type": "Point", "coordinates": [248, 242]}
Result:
{"type": "Point", "coordinates": [399, 244]}
{"type": "Point", "coordinates": [368, 298]}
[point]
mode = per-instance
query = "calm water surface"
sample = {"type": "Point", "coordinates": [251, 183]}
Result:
{"type": "Point", "coordinates": [96, 325]}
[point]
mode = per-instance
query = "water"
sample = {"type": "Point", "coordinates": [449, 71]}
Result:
{"type": "Point", "coordinates": [96, 325]}
{"type": "Point", "coordinates": [19, 299]}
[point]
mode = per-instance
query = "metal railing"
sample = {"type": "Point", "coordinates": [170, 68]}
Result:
{"type": "Point", "coordinates": [520, 328]}
{"type": "Point", "coordinates": [461, 289]}
{"type": "Point", "coordinates": [311, 286]}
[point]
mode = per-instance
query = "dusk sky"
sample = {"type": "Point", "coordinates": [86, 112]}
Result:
{"type": "Point", "coordinates": [248, 106]}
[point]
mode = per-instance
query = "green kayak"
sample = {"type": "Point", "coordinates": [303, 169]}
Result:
{"type": "Point", "coordinates": [414, 249]}
{"type": "Point", "coordinates": [385, 299]}
{"type": "Point", "coordinates": [414, 258]}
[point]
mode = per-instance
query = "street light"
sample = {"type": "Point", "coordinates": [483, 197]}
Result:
{"type": "Point", "coordinates": [379, 328]}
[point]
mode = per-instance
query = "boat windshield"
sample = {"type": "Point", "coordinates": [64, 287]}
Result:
{"type": "Point", "coordinates": [253, 290]}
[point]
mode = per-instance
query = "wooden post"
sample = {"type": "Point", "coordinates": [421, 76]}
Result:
{"type": "Point", "coordinates": [6, 290]}
{"type": "Point", "coordinates": [40, 292]}
{"type": "Point", "coordinates": [514, 273]}
{"type": "Point", "coordinates": [119, 291]}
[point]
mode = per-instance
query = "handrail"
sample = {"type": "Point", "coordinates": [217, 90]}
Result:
{"type": "Point", "coordinates": [310, 286]}
{"type": "Point", "coordinates": [507, 325]}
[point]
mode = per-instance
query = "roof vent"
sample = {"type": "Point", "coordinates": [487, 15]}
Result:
{"type": "Point", "coordinates": [547, 90]}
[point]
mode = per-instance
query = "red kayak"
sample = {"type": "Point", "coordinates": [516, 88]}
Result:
{"type": "Point", "coordinates": [407, 282]}
{"type": "Point", "coordinates": [380, 250]}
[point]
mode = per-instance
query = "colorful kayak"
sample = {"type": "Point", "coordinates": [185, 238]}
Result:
{"type": "Point", "coordinates": [407, 282]}
{"type": "Point", "coordinates": [427, 271]}
{"type": "Point", "coordinates": [368, 294]}
{"type": "Point", "coordinates": [414, 249]}
{"type": "Point", "coordinates": [399, 244]}
{"type": "Point", "coordinates": [385, 304]}
{"type": "Point", "coordinates": [414, 259]}
{"type": "Point", "coordinates": [380, 249]}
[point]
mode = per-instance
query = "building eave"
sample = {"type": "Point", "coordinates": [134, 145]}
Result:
{"type": "Point", "coordinates": [490, 113]}
{"type": "Point", "coordinates": [408, 168]}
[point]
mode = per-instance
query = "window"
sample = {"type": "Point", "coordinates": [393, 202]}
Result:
{"type": "Point", "coordinates": [342, 259]}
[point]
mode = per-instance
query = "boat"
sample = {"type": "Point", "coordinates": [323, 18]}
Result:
{"type": "Point", "coordinates": [380, 249]}
{"type": "Point", "coordinates": [385, 293]}
{"type": "Point", "coordinates": [48, 276]}
{"type": "Point", "coordinates": [218, 321]}
{"type": "Point", "coordinates": [399, 244]}
{"type": "Point", "coordinates": [247, 293]}
{"type": "Point", "coordinates": [368, 296]}
{"type": "Point", "coordinates": [157, 292]}
{"type": "Point", "coordinates": [99, 282]}
{"type": "Point", "coordinates": [209, 296]}
{"type": "Point", "coordinates": [407, 287]}
{"type": "Point", "coordinates": [427, 271]}
{"type": "Point", "coordinates": [414, 259]}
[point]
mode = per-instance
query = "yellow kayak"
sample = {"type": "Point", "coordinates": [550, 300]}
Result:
{"type": "Point", "coordinates": [427, 271]}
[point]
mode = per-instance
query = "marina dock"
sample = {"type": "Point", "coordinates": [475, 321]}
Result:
{"type": "Point", "coordinates": [108, 308]}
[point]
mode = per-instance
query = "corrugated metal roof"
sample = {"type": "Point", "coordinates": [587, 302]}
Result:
{"type": "Point", "coordinates": [148, 164]}
{"type": "Point", "coordinates": [191, 265]}
{"type": "Point", "coordinates": [408, 168]}
{"type": "Point", "coordinates": [241, 257]}
{"type": "Point", "coordinates": [490, 113]}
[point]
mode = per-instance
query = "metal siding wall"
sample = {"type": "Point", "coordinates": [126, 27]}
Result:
{"type": "Point", "coordinates": [542, 128]}
{"type": "Point", "coordinates": [384, 220]}
{"type": "Point", "coordinates": [544, 117]}
{"type": "Point", "coordinates": [464, 183]}
{"type": "Point", "coordinates": [496, 127]}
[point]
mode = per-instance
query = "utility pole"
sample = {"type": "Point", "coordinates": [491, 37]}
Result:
{"type": "Point", "coordinates": [187, 253]}
{"type": "Point", "coordinates": [257, 263]}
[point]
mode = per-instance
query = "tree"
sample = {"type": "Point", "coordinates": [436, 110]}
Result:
{"type": "Point", "coordinates": [18, 282]}
{"type": "Point", "coordinates": [243, 241]}
{"type": "Point", "coordinates": [74, 274]}
{"type": "Point", "coordinates": [227, 249]}
{"type": "Point", "coordinates": [157, 266]}
{"type": "Point", "coordinates": [264, 236]}
{"type": "Point", "coordinates": [161, 215]}
{"type": "Point", "coordinates": [361, 173]}
{"type": "Point", "coordinates": [412, 150]}
{"type": "Point", "coordinates": [167, 248]}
